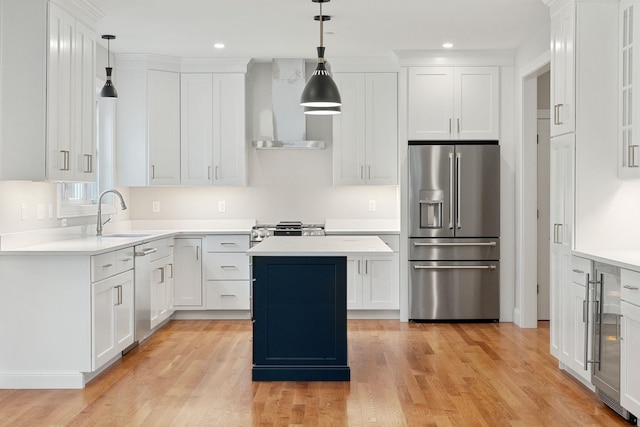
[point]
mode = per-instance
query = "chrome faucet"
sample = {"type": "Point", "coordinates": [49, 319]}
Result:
{"type": "Point", "coordinates": [100, 223]}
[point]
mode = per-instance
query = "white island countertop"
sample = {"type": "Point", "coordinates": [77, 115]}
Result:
{"type": "Point", "coordinates": [320, 246]}
{"type": "Point", "coordinates": [629, 259]}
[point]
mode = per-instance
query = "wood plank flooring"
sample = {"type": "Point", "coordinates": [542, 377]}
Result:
{"type": "Point", "coordinates": [198, 373]}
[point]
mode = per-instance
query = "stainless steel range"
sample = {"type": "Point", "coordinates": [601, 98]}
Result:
{"type": "Point", "coordinates": [284, 228]}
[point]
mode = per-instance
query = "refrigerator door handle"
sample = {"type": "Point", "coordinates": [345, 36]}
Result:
{"type": "Point", "coordinates": [451, 190]}
{"type": "Point", "coordinates": [458, 163]}
{"type": "Point", "coordinates": [454, 267]}
{"type": "Point", "coordinates": [455, 244]}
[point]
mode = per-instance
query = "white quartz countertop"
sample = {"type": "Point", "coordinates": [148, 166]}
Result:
{"type": "Point", "coordinates": [629, 259]}
{"type": "Point", "coordinates": [83, 241]}
{"type": "Point", "coordinates": [320, 246]}
{"type": "Point", "coordinates": [362, 226]}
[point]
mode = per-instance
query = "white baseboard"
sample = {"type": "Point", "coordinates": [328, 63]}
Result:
{"type": "Point", "coordinates": [42, 381]}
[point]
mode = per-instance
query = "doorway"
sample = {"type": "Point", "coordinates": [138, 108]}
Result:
{"type": "Point", "coordinates": [543, 195]}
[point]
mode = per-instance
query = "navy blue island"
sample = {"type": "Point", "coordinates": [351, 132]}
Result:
{"type": "Point", "coordinates": [299, 311]}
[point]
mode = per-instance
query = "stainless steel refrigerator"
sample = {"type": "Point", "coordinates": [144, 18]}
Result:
{"type": "Point", "coordinates": [454, 232]}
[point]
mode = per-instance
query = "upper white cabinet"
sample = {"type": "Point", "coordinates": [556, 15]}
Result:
{"type": "Point", "coordinates": [178, 127]}
{"type": "Point", "coordinates": [47, 77]}
{"type": "Point", "coordinates": [454, 103]}
{"type": "Point", "coordinates": [163, 115]}
{"type": "Point", "coordinates": [213, 147]}
{"type": "Point", "coordinates": [629, 147]}
{"type": "Point", "coordinates": [365, 135]}
{"type": "Point", "coordinates": [563, 70]}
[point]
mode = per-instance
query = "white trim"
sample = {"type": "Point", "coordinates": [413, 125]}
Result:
{"type": "Point", "coordinates": [544, 114]}
{"type": "Point", "coordinates": [421, 58]}
{"type": "Point", "coordinates": [42, 381]}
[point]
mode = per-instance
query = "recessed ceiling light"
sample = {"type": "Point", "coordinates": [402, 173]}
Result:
{"type": "Point", "coordinates": [219, 45]}
{"type": "Point", "coordinates": [447, 45]}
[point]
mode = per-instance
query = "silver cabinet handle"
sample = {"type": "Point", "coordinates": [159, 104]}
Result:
{"type": "Point", "coordinates": [146, 251]}
{"type": "Point", "coordinates": [449, 125]}
{"type": "Point", "coordinates": [125, 260]}
{"type": "Point", "coordinates": [366, 266]}
{"type": "Point", "coordinates": [632, 161]}
{"type": "Point", "coordinates": [228, 243]}
{"type": "Point", "coordinates": [197, 252]}
{"type": "Point", "coordinates": [216, 172]}
{"type": "Point", "coordinates": [359, 272]}
{"type": "Point", "coordinates": [585, 319]}
{"type": "Point", "coordinates": [458, 210]}
{"type": "Point", "coordinates": [65, 160]}
{"type": "Point", "coordinates": [555, 115]}
{"type": "Point", "coordinates": [361, 171]}
{"type": "Point", "coordinates": [161, 274]}
{"type": "Point", "coordinates": [575, 270]}
{"type": "Point", "coordinates": [229, 266]}
{"type": "Point", "coordinates": [369, 167]}
{"type": "Point", "coordinates": [153, 171]}
{"type": "Point", "coordinates": [454, 267]}
{"type": "Point", "coordinates": [458, 120]}
{"type": "Point", "coordinates": [208, 172]}
{"type": "Point", "coordinates": [631, 288]}
{"type": "Point", "coordinates": [170, 268]}
{"type": "Point", "coordinates": [88, 163]}
{"type": "Point", "coordinates": [451, 189]}
{"type": "Point", "coordinates": [455, 244]}
{"type": "Point", "coordinates": [107, 265]}
{"type": "Point", "coordinates": [228, 295]}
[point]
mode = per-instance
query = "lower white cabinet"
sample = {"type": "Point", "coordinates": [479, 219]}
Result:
{"type": "Point", "coordinates": [630, 341]}
{"type": "Point", "coordinates": [162, 292]}
{"type": "Point", "coordinates": [187, 277]}
{"type": "Point", "coordinates": [372, 282]}
{"type": "Point", "coordinates": [112, 312]}
{"type": "Point", "coordinates": [227, 272]}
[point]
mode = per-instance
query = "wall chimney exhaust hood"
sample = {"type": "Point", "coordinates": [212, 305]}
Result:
{"type": "Point", "coordinates": [285, 126]}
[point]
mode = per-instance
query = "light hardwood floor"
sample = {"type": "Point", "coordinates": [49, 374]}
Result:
{"type": "Point", "coordinates": [198, 373]}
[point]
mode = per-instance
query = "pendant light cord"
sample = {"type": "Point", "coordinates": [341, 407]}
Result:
{"type": "Point", "coordinates": [108, 53]}
{"type": "Point", "coordinates": [321, 23]}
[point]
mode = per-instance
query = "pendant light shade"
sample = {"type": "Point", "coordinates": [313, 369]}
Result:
{"type": "Point", "coordinates": [321, 95]}
{"type": "Point", "coordinates": [109, 90]}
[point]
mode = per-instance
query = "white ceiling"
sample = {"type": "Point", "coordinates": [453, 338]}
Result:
{"type": "Point", "coordinates": [285, 28]}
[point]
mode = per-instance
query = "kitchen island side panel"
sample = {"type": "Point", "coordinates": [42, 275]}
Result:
{"type": "Point", "coordinates": [300, 319]}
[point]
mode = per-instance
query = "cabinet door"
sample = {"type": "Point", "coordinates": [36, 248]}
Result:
{"type": "Point", "coordinates": [196, 140]}
{"type": "Point", "coordinates": [60, 80]}
{"type": "Point", "coordinates": [229, 142]}
{"type": "Point", "coordinates": [157, 291]}
{"type": "Point", "coordinates": [85, 103]}
{"type": "Point", "coordinates": [354, 282]}
{"type": "Point", "coordinates": [430, 103]}
{"type": "Point", "coordinates": [630, 348]}
{"type": "Point", "coordinates": [629, 149]}
{"type": "Point", "coordinates": [381, 146]}
{"type": "Point", "coordinates": [163, 115]}
{"type": "Point", "coordinates": [188, 273]}
{"type": "Point", "coordinates": [104, 298]}
{"type": "Point", "coordinates": [563, 70]}
{"type": "Point", "coordinates": [579, 330]}
{"type": "Point", "coordinates": [124, 311]}
{"type": "Point", "coordinates": [476, 100]}
{"type": "Point", "coordinates": [562, 189]}
{"type": "Point", "coordinates": [349, 134]}
{"type": "Point", "coordinates": [380, 284]}
{"type": "Point", "coordinates": [555, 288]}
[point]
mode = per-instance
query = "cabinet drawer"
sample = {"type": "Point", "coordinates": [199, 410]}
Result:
{"type": "Point", "coordinates": [111, 263]}
{"type": "Point", "coordinates": [226, 266]}
{"type": "Point", "coordinates": [227, 243]}
{"type": "Point", "coordinates": [630, 281]}
{"type": "Point", "coordinates": [223, 295]}
{"type": "Point", "coordinates": [580, 267]}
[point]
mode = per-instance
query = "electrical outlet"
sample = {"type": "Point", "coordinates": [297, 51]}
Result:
{"type": "Point", "coordinates": [372, 205]}
{"type": "Point", "coordinates": [222, 206]}
{"type": "Point", "coordinates": [40, 211]}
{"type": "Point", "coordinates": [23, 212]}
{"type": "Point", "coordinates": [155, 206]}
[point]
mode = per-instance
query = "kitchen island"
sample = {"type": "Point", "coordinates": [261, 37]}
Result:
{"type": "Point", "coordinates": [300, 306]}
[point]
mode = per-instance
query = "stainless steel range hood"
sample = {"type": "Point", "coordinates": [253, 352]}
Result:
{"type": "Point", "coordinates": [286, 126]}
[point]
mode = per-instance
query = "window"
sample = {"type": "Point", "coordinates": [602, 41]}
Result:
{"type": "Point", "coordinates": [81, 198]}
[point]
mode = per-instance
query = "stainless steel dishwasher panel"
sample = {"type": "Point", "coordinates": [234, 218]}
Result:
{"type": "Point", "coordinates": [143, 267]}
{"type": "Point", "coordinates": [454, 290]}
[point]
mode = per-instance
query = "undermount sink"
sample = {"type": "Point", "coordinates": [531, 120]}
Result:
{"type": "Point", "coordinates": [127, 235]}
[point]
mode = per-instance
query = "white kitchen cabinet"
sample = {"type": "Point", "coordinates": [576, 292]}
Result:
{"type": "Point", "coordinates": [365, 135]}
{"type": "Point", "coordinates": [630, 341]}
{"type": "Point", "coordinates": [163, 114]}
{"type": "Point", "coordinates": [47, 70]}
{"type": "Point", "coordinates": [162, 290]}
{"type": "Point", "coordinates": [563, 70]}
{"type": "Point", "coordinates": [373, 281]}
{"type": "Point", "coordinates": [562, 166]}
{"type": "Point", "coordinates": [227, 272]}
{"type": "Point", "coordinates": [628, 151]}
{"type": "Point", "coordinates": [213, 143]}
{"type": "Point", "coordinates": [454, 103]}
{"type": "Point", "coordinates": [577, 330]}
{"type": "Point", "coordinates": [187, 277]}
{"type": "Point", "coordinates": [112, 317]}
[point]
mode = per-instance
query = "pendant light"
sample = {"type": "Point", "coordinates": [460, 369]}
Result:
{"type": "Point", "coordinates": [320, 95]}
{"type": "Point", "coordinates": [109, 90]}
